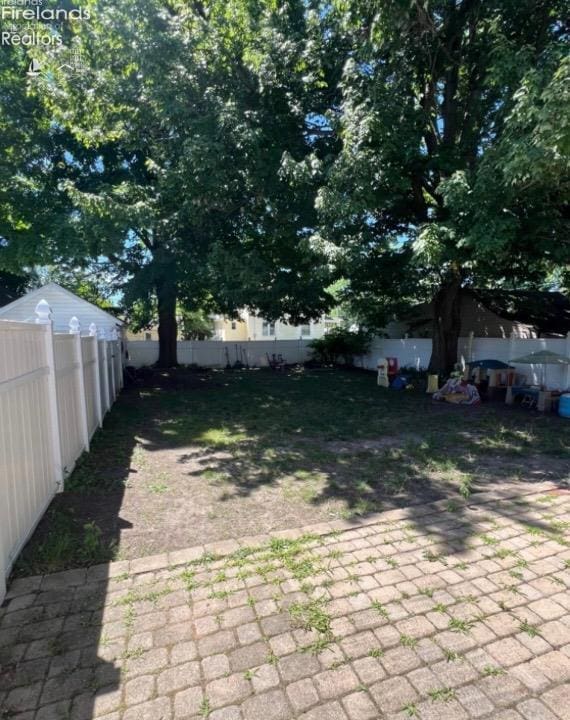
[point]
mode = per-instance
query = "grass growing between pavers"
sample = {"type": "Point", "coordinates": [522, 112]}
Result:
{"type": "Point", "coordinates": [208, 456]}
{"type": "Point", "coordinates": [316, 617]}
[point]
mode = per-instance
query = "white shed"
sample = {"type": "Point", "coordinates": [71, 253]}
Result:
{"type": "Point", "coordinates": [64, 305]}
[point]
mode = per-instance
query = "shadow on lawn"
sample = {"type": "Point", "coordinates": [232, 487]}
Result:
{"type": "Point", "coordinates": [324, 440]}
{"type": "Point", "coordinates": [54, 656]}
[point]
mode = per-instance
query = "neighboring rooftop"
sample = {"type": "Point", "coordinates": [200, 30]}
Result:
{"type": "Point", "coordinates": [548, 312]}
{"type": "Point", "coordinates": [63, 303]}
{"type": "Point", "coordinates": [496, 313]}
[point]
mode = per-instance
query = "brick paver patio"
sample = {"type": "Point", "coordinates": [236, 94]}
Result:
{"type": "Point", "coordinates": [445, 611]}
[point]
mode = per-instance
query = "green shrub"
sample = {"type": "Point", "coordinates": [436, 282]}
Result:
{"type": "Point", "coordinates": [340, 346]}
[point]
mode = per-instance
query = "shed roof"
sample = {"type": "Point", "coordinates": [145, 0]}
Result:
{"type": "Point", "coordinates": [38, 294]}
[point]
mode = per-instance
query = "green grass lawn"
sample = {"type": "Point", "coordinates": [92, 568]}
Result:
{"type": "Point", "coordinates": [196, 457]}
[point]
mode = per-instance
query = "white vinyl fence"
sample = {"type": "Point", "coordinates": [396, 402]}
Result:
{"type": "Point", "coordinates": [416, 352]}
{"type": "Point", "coordinates": [54, 391]}
{"type": "Point", "coordinates": [411, 352]}
{"type": "Point", "coordinates": [217, 353]}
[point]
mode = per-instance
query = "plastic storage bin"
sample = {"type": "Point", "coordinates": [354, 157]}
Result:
{"type": "Point", "coordinates": [564, 405]}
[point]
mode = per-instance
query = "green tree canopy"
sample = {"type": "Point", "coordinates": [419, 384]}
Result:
{"type": "Point", "coordinates": [178, 128]}
{"type": "Point", "coordinates": [453, 119]}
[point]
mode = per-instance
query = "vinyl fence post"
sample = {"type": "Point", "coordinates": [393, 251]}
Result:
{"type": "Point", "coordinates": [105, 371]}
{"type": "Point", "coordinates": [75, 330]}
{"type": "Point", "coordinates": [111, 351]}
{"type": "Point", "coordinates": [117, 365]}
{"type": "Point", "coordinates": [119, 339]}
{"type": "Point", "coordinates": [43, 312]}
{"type": "Point", "coordinates": [97, 377]}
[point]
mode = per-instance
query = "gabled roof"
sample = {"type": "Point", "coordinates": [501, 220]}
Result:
{"type": "Point", "coordinates": [39, 292]}
{"type": "Point", "coordinates": [548, 312]}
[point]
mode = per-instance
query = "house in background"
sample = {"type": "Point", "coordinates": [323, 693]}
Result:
{"type": "Point", "coordinates": [252, 327]}
{"type": "Point", "coordinates": [495, 314]}
{"type": "Point", "coordinates": [64, 305]}
{"type": "Point", "coordinates": [150, 333]}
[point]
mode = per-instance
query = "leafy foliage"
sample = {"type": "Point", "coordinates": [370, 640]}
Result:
{"type": "Point", "coordinates": [167, 157]}
{"type": "Point", "coordinates": [453, 163]}
{"type": "Point", "coordinates": [253, 153]}
{"type": "Point", "coordinates": [340, 344]}
{"type": "Point", "coordinates": [195, 325]}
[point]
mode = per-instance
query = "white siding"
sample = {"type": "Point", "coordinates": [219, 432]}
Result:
{"type": "Point", "coordinates": [63, 304]}
{"type": "Point", "coordinates": [283, 331]}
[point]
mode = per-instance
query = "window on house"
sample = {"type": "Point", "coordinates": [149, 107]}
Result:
{"type": "Point", "coordinates": [148, 336]}
{"type": "Point", "coordinates": [268, 329]}
{"type": "Point", "coordinates": [234, 325]}
{"type": "Point", "coordinates": [305, 331]}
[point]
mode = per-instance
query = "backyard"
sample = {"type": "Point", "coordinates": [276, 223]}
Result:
{"type": "Point", "coordinates": [188, 458]}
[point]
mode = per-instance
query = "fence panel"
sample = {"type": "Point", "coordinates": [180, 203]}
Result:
{"type": "Point", "coordinates": [90, 370]}
{"type": "Point", "coordinates": [416, 352]}
{"type": "Point", "coordinates": [27, 469]}
{"type": "Point", "coordinates": [69, 405]}
{"type": "Point", "coordinates": [111, 372]}
{"type": "Point", "coordinates": [50, 405]}
{"type": "Point", "coordinates": [411, 352]}
{"type": "Point", "coordinates": [142, 353]}
{"type": "Point", "coordinates": [103, 376]}
{"type": "Point", "coordinates": [217, 353]}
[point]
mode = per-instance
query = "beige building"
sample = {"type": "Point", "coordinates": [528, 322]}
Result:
{"type": "Point", "coordinates": [150, 334]}
{"type": "Point", "coordinates": [252, 327]}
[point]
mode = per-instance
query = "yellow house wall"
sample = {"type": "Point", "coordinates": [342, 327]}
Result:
{"type": "Point", "coordinates": [224, 327]}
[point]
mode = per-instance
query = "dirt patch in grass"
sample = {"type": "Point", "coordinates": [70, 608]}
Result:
{"type": "Point", "coordinates": [187, 458]}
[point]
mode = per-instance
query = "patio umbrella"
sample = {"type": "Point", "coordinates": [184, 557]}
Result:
{"type": "Point", "coordinates": [542, 357]}
{"type": "Point", "coordinates": [488, 364]}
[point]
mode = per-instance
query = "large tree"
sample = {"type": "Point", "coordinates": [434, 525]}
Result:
{"type": "Point", "coordinates": [453, 167]}
{"type": "Point", "coordinates": [179, 120]}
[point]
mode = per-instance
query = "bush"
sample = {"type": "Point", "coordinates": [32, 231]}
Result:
{"type": "Point", "coordinates": [340, 345]}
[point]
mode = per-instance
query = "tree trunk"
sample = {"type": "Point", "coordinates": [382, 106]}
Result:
{"type": "Point", "coordinates": [165, 286]}
{"type": "Point", "coordinates": [446, 327]}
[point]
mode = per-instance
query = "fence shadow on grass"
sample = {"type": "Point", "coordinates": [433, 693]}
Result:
{"type": "Point", "coordinates": [62, 649]}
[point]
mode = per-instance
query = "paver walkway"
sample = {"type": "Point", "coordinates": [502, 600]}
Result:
{"type": "Point", "coordinates": [435, 612]}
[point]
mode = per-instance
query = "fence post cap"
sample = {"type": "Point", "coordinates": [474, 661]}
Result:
{"type": "Point", "coordinates": [74, 326]}
{"type": "Point", "coordinates": [114, 334]}
{"type": "Point", "coordinates": [101, 334]}
{"type": "Point", "coordinates": [43, 312]}
{"type": "Point", "coordinates": [93, 329]}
